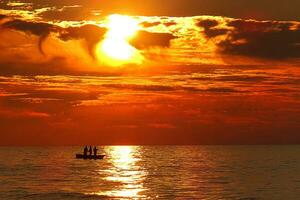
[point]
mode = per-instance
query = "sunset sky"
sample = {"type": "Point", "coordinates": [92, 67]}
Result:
{"type": "Point", "coordinates": [76, 72]}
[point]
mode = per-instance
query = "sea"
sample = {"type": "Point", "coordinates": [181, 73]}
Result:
{"type": "Point", "coordinates": [151, 172]}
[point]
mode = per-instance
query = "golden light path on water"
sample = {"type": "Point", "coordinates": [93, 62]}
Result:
{"type": "Point", "coordinates": [125, 172]}
{"type": "Point", "coordinates": [151, 172]}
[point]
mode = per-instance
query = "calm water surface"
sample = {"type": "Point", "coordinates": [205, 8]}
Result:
{"type": "Point", "coordinates": [157, 172]}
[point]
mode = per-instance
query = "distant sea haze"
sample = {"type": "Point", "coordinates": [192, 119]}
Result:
{"type": "Point", "coordinates": [151, 172]}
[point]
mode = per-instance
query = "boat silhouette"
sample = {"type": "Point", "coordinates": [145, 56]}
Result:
{"type": "Point", "coordinates": [89, 157]}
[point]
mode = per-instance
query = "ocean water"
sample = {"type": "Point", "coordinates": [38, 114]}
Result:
{"type": "Point", "coordinates": [151, 172]}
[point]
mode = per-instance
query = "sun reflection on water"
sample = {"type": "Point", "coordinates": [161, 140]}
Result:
{"type": "Point", "coordinates": [125, 172]}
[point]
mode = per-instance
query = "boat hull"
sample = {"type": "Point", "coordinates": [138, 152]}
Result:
{"type": "Point", "coordinates": [89, 157]}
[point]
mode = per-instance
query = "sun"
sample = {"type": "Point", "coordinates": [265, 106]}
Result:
{"type": "Point", "coordinates": [115, 49]}
{"type": "Point", "coordinates": [122, 26]}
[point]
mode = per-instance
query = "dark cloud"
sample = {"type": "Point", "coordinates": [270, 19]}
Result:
{"type": "Point", "coordinates": [150, 24]}
{"type": "Point", "coordinates": [35, 28]}
{"type": "Point", "coordinates": [258, 26]}
{"type": "Point", "coordinates": [42, 30]}
{"type": "Point", "coordinates": [146, 39]}
{"type": "Point", "coordinates": [244, 78]}
{"type": "Point", "coordinates": [259, 39]}
{"type": "Point", "coordinates": [262, 39]}
{"type": "Point", "coordinates": [210, 29]}
{"type": "Point", "coordinates": [222, 90]}
{"type": "Point", "coordinates": [91, 34]}
{"type": "Point", "coordinates": [170, 24]}
{"type": "Point", "coordinates": [233, 78]}
{"type": "Point", "coordinates": [136, 87]}
{"type": "Point", "coordinates": [174, 88]}
{"type": "Point", "coordinates": [215, 32]}
{"type": "Point", "coordinates": [2, 16]}
{"type": "Point", "coordinates": [288, 81]}
{"type": "Point", "coordinates": [281, 90]}
{"type": "Point", "coordinates": [208, 23]}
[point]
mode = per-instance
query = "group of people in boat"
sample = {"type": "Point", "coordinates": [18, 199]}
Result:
{"type": "Point", "coordinates": [89, 150]}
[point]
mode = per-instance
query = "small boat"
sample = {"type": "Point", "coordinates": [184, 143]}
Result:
{"type": "Point", "coordinates": [89, 157]}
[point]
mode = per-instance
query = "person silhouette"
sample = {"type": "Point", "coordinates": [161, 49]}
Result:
{"type": "Point", "coordinates": [85, 150]}
{"type": "Point", "coordinates": [90, 150]}
{"type": "Point", "coordinates": [95, 151]}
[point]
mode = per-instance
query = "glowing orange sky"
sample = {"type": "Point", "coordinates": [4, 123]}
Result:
{"type": "Point", "coordinates": [109, 78]}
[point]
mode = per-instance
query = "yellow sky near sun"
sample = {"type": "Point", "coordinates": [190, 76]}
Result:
{"type": "Point", "coordinates": [115, 50]}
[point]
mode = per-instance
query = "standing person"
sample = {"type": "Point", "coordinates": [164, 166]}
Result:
{"type": "Point", "coordinates": [95, 151]}
{"type": "Point", "coordinates": [90, 150]}
{"type": "Point", "coordinates": [85, 150]}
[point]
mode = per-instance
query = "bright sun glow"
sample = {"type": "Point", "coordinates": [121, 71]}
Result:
{"type": "Point", "coordinates": [121, 26]}
{"type": "Point", "coordinates": [115, 49]}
